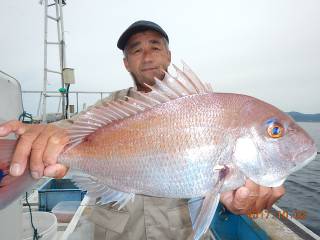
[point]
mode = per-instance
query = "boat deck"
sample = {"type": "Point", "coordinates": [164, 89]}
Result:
{"type": "Point", "coordinates": [224, 226]}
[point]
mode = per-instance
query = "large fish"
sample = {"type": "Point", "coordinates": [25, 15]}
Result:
{"type": "Point", "coordinates": [180, 140]}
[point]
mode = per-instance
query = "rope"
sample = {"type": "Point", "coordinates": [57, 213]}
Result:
{"type": "Point", "coordinates": [67, 103]}
{"type": "Point", "coordinates": [35, 231]}
{"type": "Point", "coordinates": [24, 115]}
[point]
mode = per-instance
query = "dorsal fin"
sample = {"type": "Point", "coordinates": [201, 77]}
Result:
{"type": "Point", "coordinates": [185, 83]}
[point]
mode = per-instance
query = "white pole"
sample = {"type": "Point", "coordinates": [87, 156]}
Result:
{"type": "Point", "coordinates": [45, 77]}
{"type": "Point", "coordinates": [61, 49]}
{"type": "Point", "coordinates": [72, 225]}
{"type": "Point", "coordinates": [64, 62]}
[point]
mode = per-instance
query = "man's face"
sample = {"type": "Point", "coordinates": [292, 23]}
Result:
{"type": "Point", "coordinates": [146, 57]}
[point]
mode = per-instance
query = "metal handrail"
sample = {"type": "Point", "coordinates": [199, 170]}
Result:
{"type": "Point", "coordinates": [58, 94]}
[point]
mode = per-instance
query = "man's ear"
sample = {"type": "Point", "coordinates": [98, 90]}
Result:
{"type": "Point", "coordinates": [126, 64]}
{"type": "Point", "coordinates": [169, 56]}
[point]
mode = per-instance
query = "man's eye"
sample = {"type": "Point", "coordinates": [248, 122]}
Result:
{"type": "Point", "coordinates": [136, 50]}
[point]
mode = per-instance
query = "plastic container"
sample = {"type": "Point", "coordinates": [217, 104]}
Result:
{"type": "Point", "coordinates": [65, 210]}
{"type": "Point", "coordinates": [58, 190]}
{"type": "Point", "coordinates": [44, 222]}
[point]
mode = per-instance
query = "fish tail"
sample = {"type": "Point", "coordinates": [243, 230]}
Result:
{"type": "Point", "coordinates": [11, 187]}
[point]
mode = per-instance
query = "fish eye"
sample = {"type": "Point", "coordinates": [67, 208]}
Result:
{"type": "Point", "coordinates": [275, 130]}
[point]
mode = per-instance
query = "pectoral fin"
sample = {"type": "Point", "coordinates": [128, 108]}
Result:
{"type": "Point", "coordinates": [202, 212]}
{"type": "Point", "coordinates": [195, 205]}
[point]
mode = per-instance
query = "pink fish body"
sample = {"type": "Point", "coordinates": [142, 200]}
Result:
{"type": "Point", "coordinates": [182, 140]}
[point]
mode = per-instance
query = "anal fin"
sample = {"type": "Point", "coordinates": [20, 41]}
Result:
{"type": "Point", "coordinates": [120, 198]}
{"type": "Point", "coordinates": [97, 189]}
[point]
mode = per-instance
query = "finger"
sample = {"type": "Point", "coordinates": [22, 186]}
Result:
{"type": "Point", "coordinates": [232, 200]}
{"type": "Point", "coordinates": [56, 171]}
{"type": "Point", "coordinates": [264, 195]}
{"type": "Point", "coordinates": [252, 197]}
{"type": "Point", "coordinates": [253, 188]}
{"type": "Point", "coordinates": [55, 145]}
{"type": "Point", "coordinates": [23, 149]}
{"type": "Point", "coordinates": [37, 150]}
{"type": "Point", "coordinates": [277, 193]}
{"type": "Point", "coordinates": [226, 199]}
{"type": "Point", "coordinates": [240, 201]}
{"type": "Point", "coordinates": [13, 126]}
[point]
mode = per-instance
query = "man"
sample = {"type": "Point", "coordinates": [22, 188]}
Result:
{"type": "Point", "coordinates": [146, 55]}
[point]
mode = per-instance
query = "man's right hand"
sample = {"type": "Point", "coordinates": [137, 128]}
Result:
{"type": "Point", "coordinates": [41, 144]}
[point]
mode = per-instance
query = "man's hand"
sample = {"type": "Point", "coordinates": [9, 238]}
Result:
{"type": "Point", "coordinates": [41, 143]}
{"type": "Point", "coordinates": [251, 198]}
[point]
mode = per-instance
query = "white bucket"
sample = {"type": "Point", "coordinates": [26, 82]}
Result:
{"type": "Point", "coordinates": [44, 222]}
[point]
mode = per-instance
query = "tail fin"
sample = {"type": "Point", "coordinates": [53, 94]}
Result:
{"type": "Point", "coordinates": [11, 187]}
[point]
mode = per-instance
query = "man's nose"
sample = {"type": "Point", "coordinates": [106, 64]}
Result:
{"type": "Point", "coordinates": [147, 56]}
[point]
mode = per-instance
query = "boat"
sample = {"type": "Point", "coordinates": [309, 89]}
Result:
{"type": "Point", "coordinates": [11, 108]}
{"type": "Point", "coordinates": [275, 223]}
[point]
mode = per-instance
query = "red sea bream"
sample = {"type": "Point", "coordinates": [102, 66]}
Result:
{"type": "Point", "coordinates": [180, 140]}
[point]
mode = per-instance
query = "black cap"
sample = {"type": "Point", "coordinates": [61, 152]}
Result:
{"type": "Point", "coordinates": [137, 27]}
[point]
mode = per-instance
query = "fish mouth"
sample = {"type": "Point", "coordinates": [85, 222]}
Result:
{"type": "Point", "coordinates": [280, 181]}
{"type": "Point", "coordinates": [304, 163]}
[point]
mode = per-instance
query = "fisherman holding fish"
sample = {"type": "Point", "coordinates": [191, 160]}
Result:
{"type": "Point", "coordinates": [145, 46]}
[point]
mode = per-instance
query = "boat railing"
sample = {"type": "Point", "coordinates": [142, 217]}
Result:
{"type": "Point", "coordinates": [72, 95]}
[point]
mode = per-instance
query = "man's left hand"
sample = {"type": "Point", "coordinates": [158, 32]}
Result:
{"type": "Point", "coordinates": [251, 198]}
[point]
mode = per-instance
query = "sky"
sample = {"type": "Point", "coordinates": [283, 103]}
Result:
{"type": "Point", "coordinates": [268, 49]}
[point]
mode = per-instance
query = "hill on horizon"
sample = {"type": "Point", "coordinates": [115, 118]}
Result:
{"type": "Point", "coordinates": [302, 117]}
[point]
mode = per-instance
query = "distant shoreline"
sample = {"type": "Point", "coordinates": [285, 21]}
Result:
{"type": "Point", "coordinates": [301, 117]}
{"type": "Point", "coordinates": [305, 121]}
